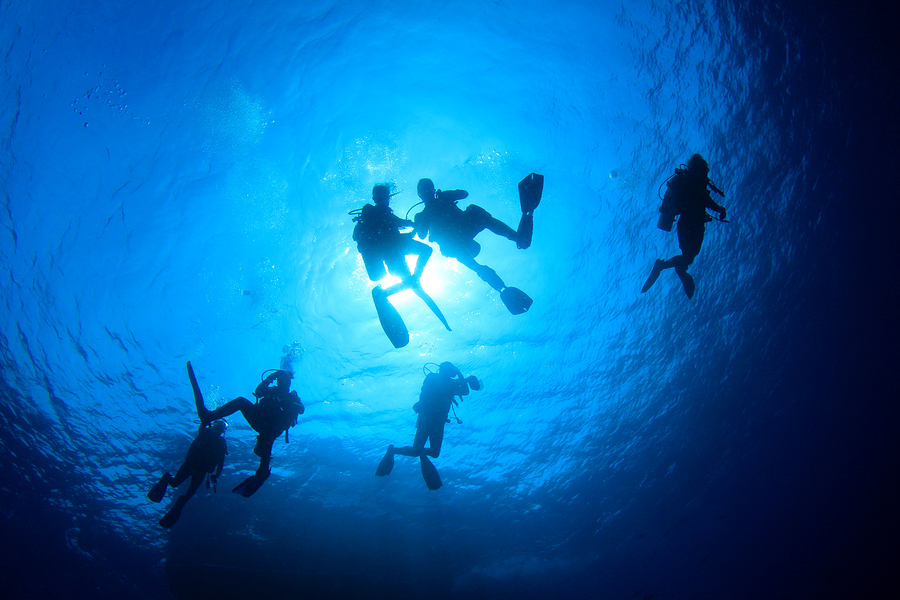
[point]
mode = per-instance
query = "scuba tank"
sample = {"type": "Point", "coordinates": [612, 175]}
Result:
{"type": "Point", "coordinates": [671, 202]}
{"type": "Point", "coordinates": [666, 219]}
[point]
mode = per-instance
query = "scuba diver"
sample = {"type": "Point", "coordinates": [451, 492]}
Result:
{"type": "Point", "coordinates": [435, 401]}
{"type": "Point", "coordinates": [454, 230]}
{"type": "Point", "coordinates": [275, 411]}
{"type": "Point", "coordinates": [687, 195]}
{"type": "Point", "coordinates": [384, 249]}
{"type": "Point", "coordinates": [205, 455]}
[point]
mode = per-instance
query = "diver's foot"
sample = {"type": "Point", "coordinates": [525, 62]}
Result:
{"type": "Point", "coordinates": [686, 280]}
{"type": "Point", "coordinates": [158, 491]}
{"type": "Point", "coordinates": [654, 275]}
{"type": "Point", "coordinates": [387, 463]}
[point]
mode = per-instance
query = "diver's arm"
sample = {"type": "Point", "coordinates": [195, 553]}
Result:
{"type": "Point", "coordinates": [712, 205]}
{"type": "Point", "coordinates": [264, 385]}
{"type": "Point", "coordinates": [451, 195]}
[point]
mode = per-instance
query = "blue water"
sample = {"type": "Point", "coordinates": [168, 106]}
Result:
{"type": "Point", "coordinates": [176, 178]}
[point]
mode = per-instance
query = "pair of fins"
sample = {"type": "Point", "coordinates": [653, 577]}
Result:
{"type": "Point", "coordinates": [429, 472]}
{"type": "Point", "coordinates": [686, 280]}
{"type": "Point", "coordinates": [158, 492]}
{"type": "Point", "coordinates": [392, 322]}
{"type": "Point", "coordinates": [247, 487]}
{"type": "Point", "coordinates": [530, 190]}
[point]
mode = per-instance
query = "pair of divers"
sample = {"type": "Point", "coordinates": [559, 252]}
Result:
{"type": "Point", "coordinates": [275, 411]}
{"type": "Point", "coordinates": [381, 244]}
{"type": "Point", "coordinates": [384, 250]}
{"type": "Point", "coordinates": [205, 456]}
{"type": "Point", "coordinates": [687, 195]}
{"type": "Point", "coordinates": [439, 392]}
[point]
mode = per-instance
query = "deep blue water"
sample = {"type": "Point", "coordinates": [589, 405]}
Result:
{"type": "Point", "coordinates": [176, 178]}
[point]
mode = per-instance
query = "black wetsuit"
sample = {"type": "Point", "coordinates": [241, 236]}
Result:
{"type": "Point", "coordinates": [273, 414]}
{"type": "Point", "coordinates": [381, 244]}
{"type": "Point", "coordinates": [454, 229]}
{"type": "Point", "coordinates": [433, 407]}
{"type": "Point", "coordinates": [693, 199]}
{"type": "Point", "coordinates": [205, 455]}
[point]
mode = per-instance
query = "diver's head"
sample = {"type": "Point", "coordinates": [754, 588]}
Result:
{"type": "Point", "coordinates": [381, 194]}
{"type": "Point", "coordinates": [218, 427]}
{"type": "Point", "coordinates": [425, 189]}
{"type": "Point", "coordinates": [448, 369]}
{"type": "Point", "coordinates": [698, 166]}
{"type": "Point", "coordinates": [283, 379]}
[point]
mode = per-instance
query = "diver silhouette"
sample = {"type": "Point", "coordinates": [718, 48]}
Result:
{"type": "Point", "coordinates": [454, 230]}
{"type": "Point", "coordinates": [384, 249]}
{"type": "Point", "coordinates": [435, 400]}
{"type": "Point", "coordinates": [686, 195]}
{"type": "Point", "coordinates": [205, 455]}
{"type": "Point", "coordinates": [275, 411]}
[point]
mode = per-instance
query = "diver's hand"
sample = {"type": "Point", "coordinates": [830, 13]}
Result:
{"type": "Point", "coordinates": [474, 383]}
{"type": "Point", "coordinates": [722, 214]}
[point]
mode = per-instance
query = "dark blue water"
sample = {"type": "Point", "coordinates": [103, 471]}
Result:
{"type": "Point", "coordinates": [175, 180]}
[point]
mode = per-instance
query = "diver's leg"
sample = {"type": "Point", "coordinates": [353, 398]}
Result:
{"type": "Point", "coordinates": [264, 450]}
{"type": "Point", "coordinates": [397, 267]}
{"type": "Point", "coordinates": [423, 253]}
{"type": "Point", "coordinates": [171, 517]}
{"type": "Point", "coordinates": [229, 408]}
{"type": "Point", "coordinates": [483, 271]}
{"type": "Point", "coordinates": [184, 471]}
{"type": "Point", "coordinates": [374, 266]}
{"type": "Point", "coordinates": [196, 481]}
{"type": "Point", "coordinates": [437, 438]}
{"type": "Point", "coordinates": [477, 220]}
{"type": "Point", "coordinates": [416, 448]}
{"type": "Point", "coordinates": [500, 228]}
{"type": "Point", "coordinates": [690, 240]}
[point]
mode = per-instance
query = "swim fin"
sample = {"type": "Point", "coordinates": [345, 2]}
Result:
{"type": "Point", "coordinates": [157, 492]}
{"type": "Point", "coordinates": [202, 411]}
{"type": "Point", "coordinates": [387, 463]}
{"type": "Point", "coordinates": [171, 517]}
{"type": "Point", "coordinates": [686, 280]}
{"type": "Point", "coordinates": [390, 319]}
{"type": "Point", "coordinates": [525, 231]}
{"type": "Point", "coordinates": [530, 190]}
{"type": "Point", "coordinates": [431, 304]}
{"type": "Point", "coordinates": [515, 300]}
{"type": "Point", "coordinates": [654, 275]}
{"type": "Point", "coordinates": [429, 473]}
{"type": "Point", "coordinates": [248, 487]}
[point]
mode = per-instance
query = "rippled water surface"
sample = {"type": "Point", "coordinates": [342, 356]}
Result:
{"type": "Point", "coordinates": [176, 180]}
